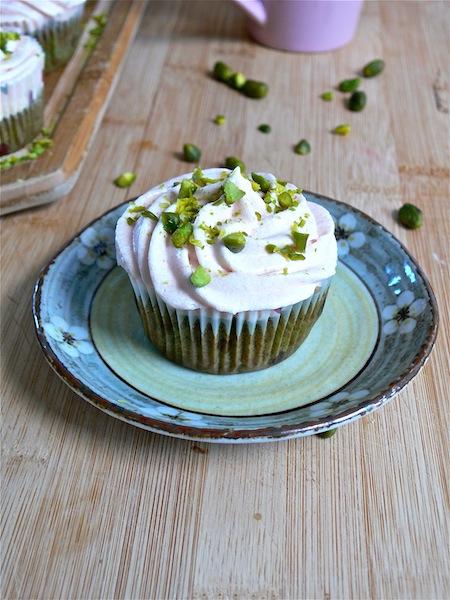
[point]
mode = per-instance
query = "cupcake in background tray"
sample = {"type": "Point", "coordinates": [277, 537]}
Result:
{"type": "Point", "coordinates": [21, 90]}
{"type": "Point", "coordinates": [230, 273]}
{"type": "Point", "coordinates": [56, 24]}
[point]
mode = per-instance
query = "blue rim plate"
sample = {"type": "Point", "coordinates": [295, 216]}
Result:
{"type": "Point", "coordinates": [407, 326]}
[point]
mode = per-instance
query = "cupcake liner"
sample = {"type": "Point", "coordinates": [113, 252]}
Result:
{"type": "Point", "coordinates": [59, 40]}
{"type": "Point", "coordinates": [223, 343]}
{"type": "Point", "coordinates": [20, 128]}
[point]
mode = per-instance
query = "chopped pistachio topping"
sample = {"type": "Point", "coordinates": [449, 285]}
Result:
{"type": "Point", "coordinates": [287, 252]}
{"type": "Point", "coordinates": [264, 128]}
{"type": "Point", "coordinates": [212, 232]}
{"type": "Point", "coordinates": [258, 215]}
{"type": "Point", "coordinates": [170, 221]}
{"type": "Point", "coordinates": [235, 242]}
{"type": "Point", "coordinates": [35, 149]}
{"type": "Point", "coordinates": [181, 236]}
{"type": "Point", "coordinates": [187, 188]}
{"type": "Point", "coordinates": [5, 37]}
{"type": "Point", "coordinates": [232, 192]}
{"type": "Point", "coordinates": [199, 179]}
{"type": "Point", "coordinates": [327, 96]}
{"type": "Point", "coordinates": [300, 240]}
{"type": "Point", "coordinates": [255, 89]}
{"type": "Point", "coordinates": [237, 80]}
{"type": "Point", "coordinates": [200, 277]}
{"type": "Point", "coordinates": [132, 220]}
{"type": "Point", "coordinates": [149, 215]}
{"type": "Point", "coordinates": [231, 162]}
{"type": "Point", "coordinates": [264, 184]}
{"type": "Point", "coordinates": [285, 271]}
{"type": "Point", "coordinates": [271, 248]}
{"type": "Point", "coordinates": [327, 434]}
{"type": "Point", "coordinates": [302, 148]}
{"type": "Point", "coordinates": [195, 242]}
{"type": "Point", "coordinates": [187, 208]}
{"type": "Point", "coordinates": [222, 72]}
{"type": "Point", "coordinates": [285, 200]}
{"type": "Point", "coordinates": [136, 208]}
{"type": "Point", "coordinates": [191, 153]}
{"type": "Point", "coordinates": [125, 179]}
{"type": "Point", "coordinates": [343, 129]}
{"type": "Point", "coordinates": [220, 119]}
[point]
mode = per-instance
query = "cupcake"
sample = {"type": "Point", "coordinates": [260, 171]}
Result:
{"type": "Point", "coordinates": [230, 273]}
{"type": "Point", "coordinates": [21, 90]}
{"type": "Point", "coordinates": [56, 24]}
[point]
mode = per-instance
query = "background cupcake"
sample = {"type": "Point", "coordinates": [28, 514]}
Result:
{"type": "Point", "coordinates": [230, 273]}
{"type": "Point", "coordinates": [56, 24]}
{"type": "Point", "coordinates": [21, 90]}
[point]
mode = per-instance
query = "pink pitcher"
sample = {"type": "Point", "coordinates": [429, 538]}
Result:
{"type": "Point", "coordinates": [302, 25]}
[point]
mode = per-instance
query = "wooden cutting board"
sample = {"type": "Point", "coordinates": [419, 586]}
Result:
{"type": "Point", "coordinates": [76, 99]}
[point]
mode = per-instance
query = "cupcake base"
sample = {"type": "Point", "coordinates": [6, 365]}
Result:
{"type": "Point", "coordinates": [222, 343]}
{"type": "Point", "coordinates": [59, 41]}
{"type": "Point", "coordinates": [18, 130]}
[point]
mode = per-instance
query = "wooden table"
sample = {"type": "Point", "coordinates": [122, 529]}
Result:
{"type": "Point", "coordinates": [93, 508]}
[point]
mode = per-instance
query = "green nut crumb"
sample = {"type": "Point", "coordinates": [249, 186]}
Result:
{"type": "Point", "coordinates": [220, 119]}
{"type": "Point", "coordinates": [303, 147]}
{"type": "Point", "coordinates": [191, 153]}
{"type": "Point", "coordinates": [181, 236]}
{"type": "Point", "coordinates": [263, 183]}
{"type": "Point", "coordinates": [327, 434]}
{"type": "Point", "coordinates": [357, 101]}
{"type": "Point", "coordinates": [327, 96]}
{"type": "Point", "coordinates": [349, 85]}
{"type": "Point", "coordinates": [235, 242]}
{"type": "Point", "coordinates": [343, 129]}
{"type": "Point", "coordinates": [222, 72]}
{"type": "Point", "coordinates": [125, 179]}
{"type": "Point", "coordinates": [410, 216]}
{"type": "Point", "coordinates": [231, 162]}
{"type": "Point", "coordinates": [373, 68]}
{"type": "Point", "coordinates": [255, 89]}
{"type": "Point", "coordinates": [200, 277]}
{"type": "Point", "coordinates": [237, 81]}
{"type": "Point", "coordinates": [264, 128]}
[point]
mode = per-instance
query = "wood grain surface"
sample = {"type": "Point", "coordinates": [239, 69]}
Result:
{"type": "Point", "coordinates": [93, 508]}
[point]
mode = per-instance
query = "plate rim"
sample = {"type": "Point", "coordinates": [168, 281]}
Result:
{"type": "Point", "coordinates": [235, 435]}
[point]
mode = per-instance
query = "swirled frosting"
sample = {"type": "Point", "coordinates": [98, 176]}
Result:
{"type": "Point", "coordinates": [21, 80]}
{"type": "Point", "coordinates": [269, 272]}
{"type": "Point", "coordinates": [28, 16]}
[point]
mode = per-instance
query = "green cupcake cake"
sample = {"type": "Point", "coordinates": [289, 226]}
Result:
{"type": "Point", "coordinates": [56, 24]}
{"type": "Point", "coordinates": [21, 90]}
{"type": "Point", "coordinates": [230, 272]}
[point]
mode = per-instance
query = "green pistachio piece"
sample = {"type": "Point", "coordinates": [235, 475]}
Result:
{"type": "Point", "coordinates": [302, 148]}
{"type": "Point", "coordinates": [255, 89]}
{"type": "Point", "coordinates": [375, 67]}
{"type": "Point", "coordinates": [220, 119]}
{"type": "Point", "coordinates": [285, 200]}
{"type": "Point", "coordinates": [181, 236]}
{"type": "Point", "coordinates": [149, 215]}
{"type": "Point", "coordinates": [271, 248]}
{"type": "Point", "coordinates": [327, 96]}
{"type": "Point", "coordinates": [300, 240]}
{"type": "Point", "coordinates": [237, 81]}
{"type": "Point", "coordinates": [231, 162]}
{"type": "Point", "coordinates": [235, 242]}
{"type": "Point", "coordinates": [191, 153]}
{"type": "Point", "coordinates": [5, 37]}
{"type": "Point", "coordinates": [232, 192]}
{"type": "Point", "coordinates": [187, 188]}
{"type": "Point", "coordinates": [343, 129]}
{"type": "Point", "coordinates": [200, 277]}
{"type": "Point", "coordinates": [410, 216]}
{"type": "Point", "coordinates": [222, 72]}
{"type": "Point", "coordinates": [357, 101]}
{"type": "Point", "coordinates": [170, 221]}
{"type": "Point", "coordinates": [263, 183]}
{"type": "Point", "coordinates": [264, 128]}
{"type": "Point", "coordinates": [327, 434]}
{"type": "Point", "coordinates": [125, 180]}
{"type": "Point", "coordinates": [349, 85]}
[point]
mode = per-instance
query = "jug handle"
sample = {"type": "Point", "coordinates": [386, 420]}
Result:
{"type": "Point", "coordinates": [254, 9]}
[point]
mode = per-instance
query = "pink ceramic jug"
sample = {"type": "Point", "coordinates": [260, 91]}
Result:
{"type": "Point", "coordinates": [302, 25]}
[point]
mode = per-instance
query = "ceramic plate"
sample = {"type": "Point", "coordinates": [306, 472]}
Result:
{"type": "Point", "coordinates": [377, 329]}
